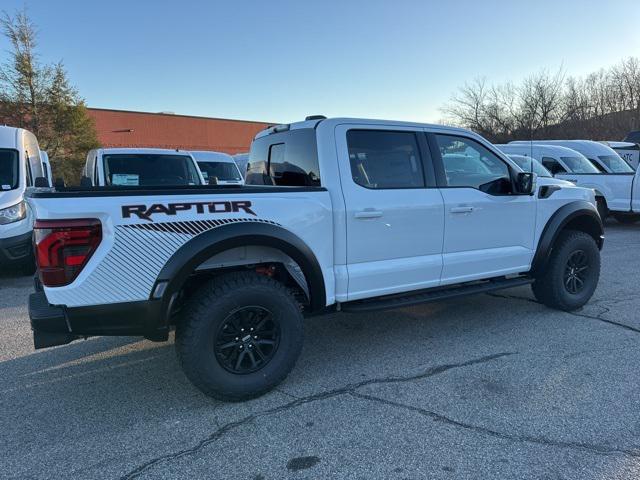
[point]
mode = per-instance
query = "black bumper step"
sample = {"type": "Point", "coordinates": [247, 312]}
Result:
{"type": "Point", "coordinates": [49, 323]}
{"type": "Point", "coordinates": [433, 295]}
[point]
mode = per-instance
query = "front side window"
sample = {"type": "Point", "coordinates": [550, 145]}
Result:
{"type": "Point", "coordinates": [579, 165]}
{"type": "Point", "coordinates": [288, 159]}
{"type": "Point", "coordinates": [527, 164]}
{"type": "Point", "coordinates": [467, 163]}
{"type": "Point", "coordinates": [9, 171]}
{"type": "Point", "coordinates": [615, 164]}
{"type": "Point", "coordinates": [383, 159]}
{"type": "Point", "coordinates": [221, 171]}
{"type": "Point", "coordinates": [149, 170]}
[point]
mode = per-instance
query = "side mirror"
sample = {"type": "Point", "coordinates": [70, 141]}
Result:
{"type": "Point", "coordinates": [41, 182]}
{"type": "Point", "coordinates": [213, 180]}
{"type": "Point", "coordinates": [85, 182]}
{"type": "Point", "coordinates": [525, 183]}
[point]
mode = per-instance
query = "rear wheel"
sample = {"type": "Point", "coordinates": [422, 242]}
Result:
{"type": "Point", "coordinates": [572, 272]}
{"type": "Point", "coordinates": [239, 336]}
{"type": "Point", "coordinates": [626, 219]}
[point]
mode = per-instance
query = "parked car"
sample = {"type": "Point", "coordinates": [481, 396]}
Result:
{"type": "Point", "coordinates": [381, 221]}
{"type": "Point", "coordinates": [629, 152]}
{"type": "Point", "coordinates": [141, 167]}
{"type": "Point", "coordinates": [242, 159]}
{"type": "Point", "coordinates": [616, 193]}
{"type": "Point", "coordinates": [218, 168]}
{"type": "Point", "coordinates": [20, 165]}
{"type": "Point", "coordinates": [603, 157]}
{"type": "Point", "coordinates": [528, 164]}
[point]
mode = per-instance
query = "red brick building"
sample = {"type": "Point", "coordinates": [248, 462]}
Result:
{"type": "Point", "coordinates": [121, 128]}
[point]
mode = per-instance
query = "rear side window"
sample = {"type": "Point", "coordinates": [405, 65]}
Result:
{"type": "Point", "coordinates": [288, 159]}
{"type": "Point", "coordinates": [383, 159]}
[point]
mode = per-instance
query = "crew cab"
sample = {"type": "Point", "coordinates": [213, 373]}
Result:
{"type": "Point", "coordinates": [629, 152]}
{"type": "Point", "coordinates": [141, 167]}
{"type": "Point", "coordinates": [338, 215]}
{"type": "Point", "coordinates": [614, 181]}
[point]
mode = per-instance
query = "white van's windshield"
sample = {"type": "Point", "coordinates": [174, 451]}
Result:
{"type": "Point", "coordinates": [615, 164]}
{"type": "Point", "coordinates": [149, 170]}
{"type": "Point", "coordinates": [222, 171]}
{"type": "Point", "coordinates": [579, 165]}
{"type": "Point", "coordinates": [8, 169]}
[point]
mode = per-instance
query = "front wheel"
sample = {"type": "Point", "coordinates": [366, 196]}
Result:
{"type": "Point", "coordinates": [571, 274]}
{"type": "Point", "coordinates": [239, 336]}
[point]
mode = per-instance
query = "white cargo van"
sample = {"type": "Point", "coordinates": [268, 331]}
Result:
{"type": "Point", "coordinates": [604, 158]}
{"type": "Point", "coordinates": [616, 192]}
{"type": "Point", "coordinates": [20, 165]}
{"type": "Point", "coordinates": [135, 167]}
{"type": "Point", "coordinates": [630, 152]}
{"type": "Point", "coordinates": [218, 168]}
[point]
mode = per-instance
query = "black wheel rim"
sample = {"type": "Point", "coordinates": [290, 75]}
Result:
{"type": "Point", "coordinates": [576, 271]}
{"type": "Point", "coordinates": [247, 340]}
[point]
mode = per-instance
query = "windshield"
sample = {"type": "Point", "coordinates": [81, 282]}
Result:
{"type": "Point", "coordinates": [615, 164]}
{"type": "Point", "coordinates": [222, 171]}
{"type": "Point", "coordinates": [8, 169]}
{"type": "Point", "coordinates": [579, 165]}
{"type": "Point", "coordinates": [525, 164]}
{"type": "Point", "coordinates": [150, 170]}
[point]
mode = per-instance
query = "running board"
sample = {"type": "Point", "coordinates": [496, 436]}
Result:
{"type": "Point", "coordinates": [433, 295]}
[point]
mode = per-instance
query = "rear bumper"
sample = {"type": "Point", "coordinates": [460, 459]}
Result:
{"type": "Point", "coordinates": [56, 325]}
{"type": "Point", "coordinates": [16, 249]}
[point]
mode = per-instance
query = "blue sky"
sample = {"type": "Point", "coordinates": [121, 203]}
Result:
{"type": "Point", "coordinates": [279, 60]}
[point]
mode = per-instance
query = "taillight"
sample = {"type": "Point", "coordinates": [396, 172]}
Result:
{"type": "Point", "coordinates": [63, 248]}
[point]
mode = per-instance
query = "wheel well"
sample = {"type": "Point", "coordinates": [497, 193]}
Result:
{"type": "Point", "coordinates": [587, 224]}
{"type": "Point", "coordinates": [268, 261]}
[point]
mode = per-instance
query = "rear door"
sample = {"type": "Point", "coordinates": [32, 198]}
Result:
{"type": "Point", "coordinates": [489, 230]}
{"type": "Point", "coordinates": [394, 213]}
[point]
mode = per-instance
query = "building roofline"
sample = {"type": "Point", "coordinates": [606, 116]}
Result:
{"type": "Point", "coordinates": [179, 115]}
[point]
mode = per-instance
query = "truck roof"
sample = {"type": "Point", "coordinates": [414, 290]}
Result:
{"type": "Point", "coordinates": [208, 156]}
{"type": "Point", "coordinates": [524, 146]}
{"type": "Point", "coordinates": [367, 121]}
{"type": "Point", "coordinates": [9, 136]}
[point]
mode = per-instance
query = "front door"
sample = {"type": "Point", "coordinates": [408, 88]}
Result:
{"type": "Point", "coordinates": [489, 230]}
{"type": "Point", "coordinates": [394, 213]}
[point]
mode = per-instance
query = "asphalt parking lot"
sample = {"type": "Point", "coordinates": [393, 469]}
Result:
{"type": "Point", "coordinates": [492, 386]}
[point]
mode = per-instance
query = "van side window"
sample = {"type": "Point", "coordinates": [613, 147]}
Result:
{"type": "Point", "coordinates": [553, 166]}
{"type": "Point", "coordinates": [288, 159]}
{"type": "Point", "coordinates": [384, 159]}
{"type": "Point", "coordinates": [467, 163]}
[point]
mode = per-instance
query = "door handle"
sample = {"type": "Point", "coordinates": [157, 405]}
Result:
{"type": "Point", "coordinates": [368, 214]}
{"type": "Point", "coordinates": [467, 209]}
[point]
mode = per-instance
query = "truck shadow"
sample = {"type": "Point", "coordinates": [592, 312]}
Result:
{"type": "Point", "coordinates": [113, 383]}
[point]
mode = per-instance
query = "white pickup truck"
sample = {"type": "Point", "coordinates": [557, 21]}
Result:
{"type": "Point", "coordinates": [613, 180]}
{"type": "Point", "coordinates": [374, 215]}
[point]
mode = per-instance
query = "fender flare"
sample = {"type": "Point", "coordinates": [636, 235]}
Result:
{"type": "Point", "coordinates": [185, 260]}
{"type": "Point", "coordinates": [570, 212]}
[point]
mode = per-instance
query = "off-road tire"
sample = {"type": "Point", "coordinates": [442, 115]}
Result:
{"type": "Point", "coordinates": [204, 317]}
{"type": "Point", "coordinates": [551, 288]}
